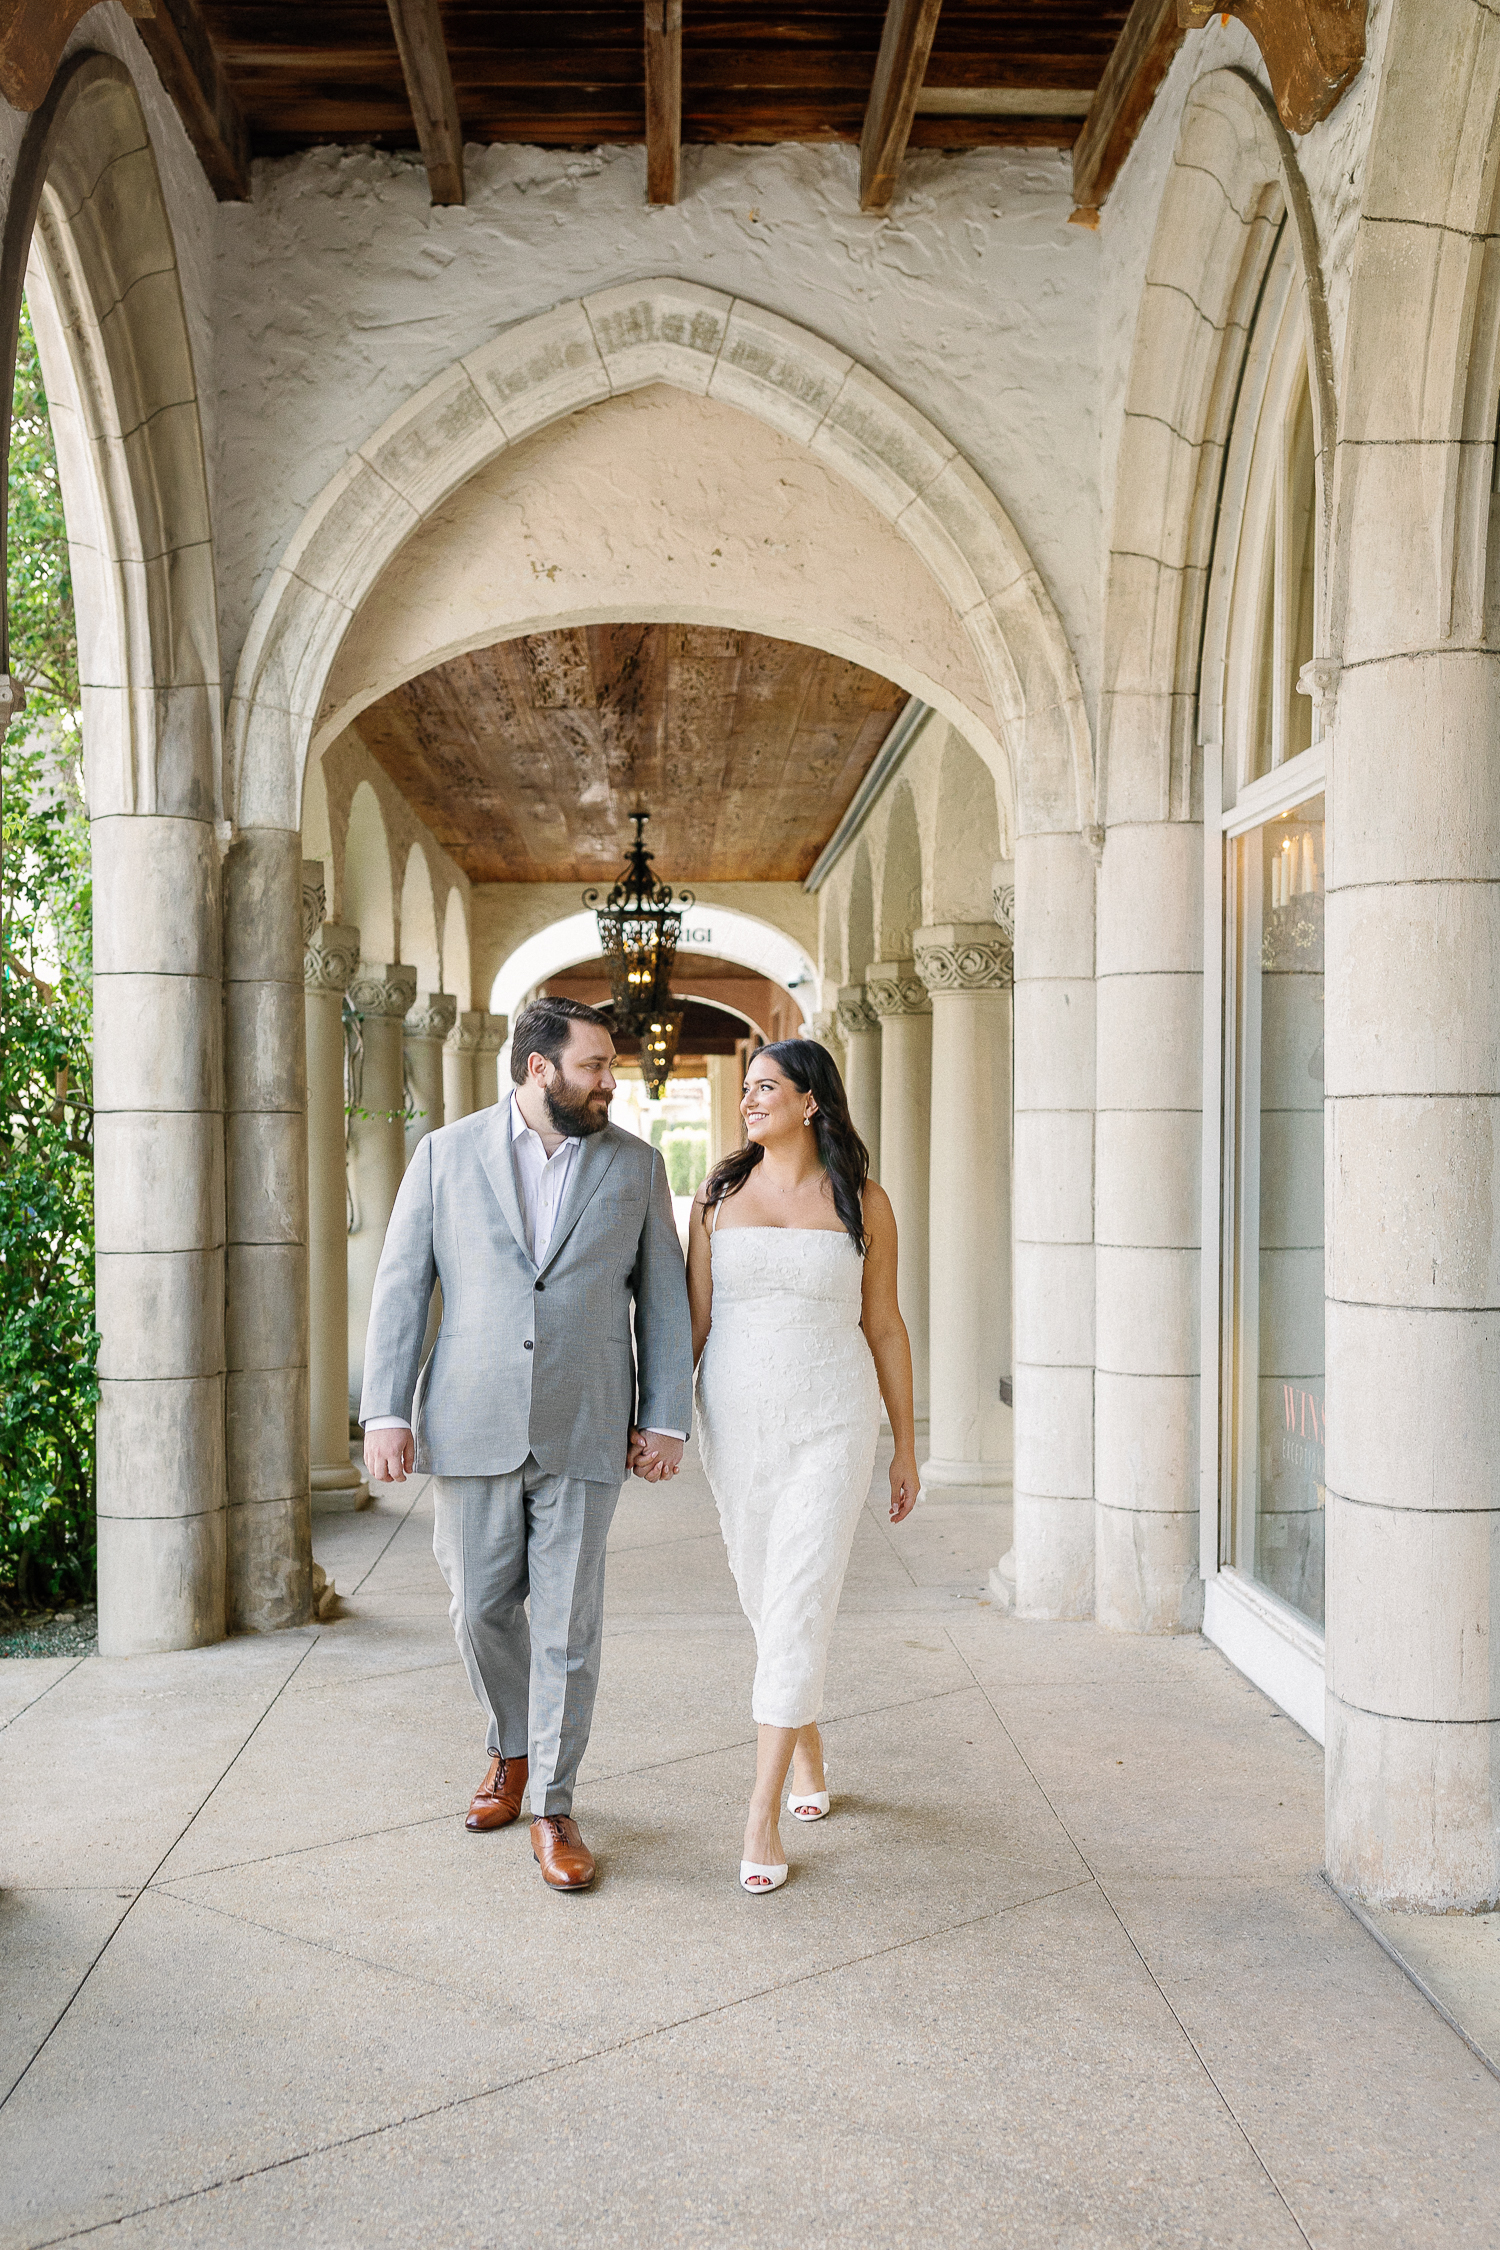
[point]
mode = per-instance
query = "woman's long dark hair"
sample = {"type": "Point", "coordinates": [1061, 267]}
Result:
{"type": "Point", "coordinates": [844, 1157]}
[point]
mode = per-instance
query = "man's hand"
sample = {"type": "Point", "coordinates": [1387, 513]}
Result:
{"type": "Point", "coordinates": [653, 1455]}
{"type": "Point", "coordinates": [390, 1455]}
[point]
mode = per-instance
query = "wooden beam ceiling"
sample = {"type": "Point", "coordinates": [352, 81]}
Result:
{"type": "Point", "coordinates": [178, 42]}
{"type": "Point", "coordinates": [663, 100]}
{"type": "Point", "coordinates": [900, 69]}
{"type": "Point", "coordinates": [429, 88]}
{"type": "Point", "coordinates": [1141, 59]}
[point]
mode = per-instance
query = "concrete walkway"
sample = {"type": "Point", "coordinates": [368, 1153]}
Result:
{"type": "Point", "coordinates": [1060, 1971]}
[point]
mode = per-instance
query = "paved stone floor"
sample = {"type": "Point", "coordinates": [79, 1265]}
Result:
{"type": "Point", "coordinates": [1060, 1971]}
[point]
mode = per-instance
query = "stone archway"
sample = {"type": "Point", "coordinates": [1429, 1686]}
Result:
{"type": "Point", "coordinates": [604, 348]}
{"type": "Point", "coordinates": [1234, 178]}
{"type": "Point", "coordinates": [202, 1450]}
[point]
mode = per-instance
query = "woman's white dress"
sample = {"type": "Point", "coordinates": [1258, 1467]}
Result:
{"type": "Point", "coordinates": [788, 1418]}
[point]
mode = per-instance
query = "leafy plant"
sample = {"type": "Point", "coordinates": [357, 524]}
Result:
{"type": "Point", "coordinates": [685, 1154]}
{"type": "Point", "coordinates": [48, 1340]}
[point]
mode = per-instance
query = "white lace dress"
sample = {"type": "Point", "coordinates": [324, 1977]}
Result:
{"type": "Point", "coordinates": [788, 1417]}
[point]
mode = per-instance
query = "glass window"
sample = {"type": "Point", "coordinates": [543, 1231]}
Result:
{"type": "Point", "coordinates": [1273, 1327]}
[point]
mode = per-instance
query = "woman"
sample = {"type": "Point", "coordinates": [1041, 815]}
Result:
{"type": "Point", "coordinates": [797, 1336]}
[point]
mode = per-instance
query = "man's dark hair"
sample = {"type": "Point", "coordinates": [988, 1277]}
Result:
{"type": "Point", "coordinates": [542, 1029]}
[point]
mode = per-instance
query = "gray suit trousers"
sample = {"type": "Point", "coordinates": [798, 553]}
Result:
{"type": "Point", "coordinates": [498, 1539]}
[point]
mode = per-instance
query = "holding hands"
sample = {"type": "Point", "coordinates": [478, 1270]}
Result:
{"type": "Point", "coordinates": [653, 1455]}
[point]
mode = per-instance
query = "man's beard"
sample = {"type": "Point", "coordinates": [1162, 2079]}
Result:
{"type": "Point", "coordinates": [574, 1112]}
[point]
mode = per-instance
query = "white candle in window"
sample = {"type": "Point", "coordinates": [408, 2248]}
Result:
{"type": "Point", "coordinates": [1276, 883]}
{"type": "Point", "coordinates": [1309, 864]}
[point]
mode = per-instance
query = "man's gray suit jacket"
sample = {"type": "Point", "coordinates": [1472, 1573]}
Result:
{"type": "Point", "coordinates": [530, 1359]}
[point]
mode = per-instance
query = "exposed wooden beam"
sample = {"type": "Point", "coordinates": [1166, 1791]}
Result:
{"type": "Point", "coordinates": [663, 100]}
{"type": "Point", "coordinates": [900, 67]}
{"type": "Point", "coordinates": [429, 88]}
{"type": "Point", "coordinates": [33, 34]}
{"type": "Point", "coordinates": [1141, 59]}
{"type": "Point", "coordinates": [177, 41]}
{"type": "Point", "coordinates": [1313, 49]}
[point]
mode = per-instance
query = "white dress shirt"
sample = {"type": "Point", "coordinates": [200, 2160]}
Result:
{"type": "Point", "coordinates": [541, 1183]}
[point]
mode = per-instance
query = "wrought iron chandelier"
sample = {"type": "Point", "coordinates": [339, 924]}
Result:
{"type": "Point", "coordinates": [659, 1039]}
{"type": "Point", "coordinates": [639, 923]}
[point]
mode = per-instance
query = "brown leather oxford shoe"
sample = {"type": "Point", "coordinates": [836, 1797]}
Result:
{"type": "Point", "coordinates": [560, 1852]}
{"type": "Point", "coordinates": [497, 1800]}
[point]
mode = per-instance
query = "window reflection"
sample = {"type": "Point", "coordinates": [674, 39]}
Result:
{"type": "Point", "coordinates": [1274, 1329]}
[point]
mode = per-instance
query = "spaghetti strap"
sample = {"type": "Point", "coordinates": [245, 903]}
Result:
{"type": "Point", "coordinates": [713, 1222]}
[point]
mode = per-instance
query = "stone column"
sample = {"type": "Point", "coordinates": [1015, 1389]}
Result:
{"type": "Point", "coordinates": [428, 1024]}
{"type": "Point", "coordinates": [1413, 1306]}
{"type": "Point", "coordinates": [492, 1037]}
{"type": "Point", "coordinates": [966, 968]}
{"type": "Point", "coordinates": [268, 1568]}
{"type": "Point", "coordinates": [459, 1050]}
{"type": "Point", "coordinates": [900, 1001]}
{"type": "Point", "coordinates": [159, 1232]}
{"type": "Point", "coordinates": [381, 995]}
{"type": "Point", "coordinates": [330, 958]}
{"type": "Point", "coordinates": [725, 1131]}
{"type": "Point", "coordinates": [1147, 1232]}
{"type": "Point", "coordinates": [860, 1027]}
{"type": "Point", "coordinates": [1051, 1569]}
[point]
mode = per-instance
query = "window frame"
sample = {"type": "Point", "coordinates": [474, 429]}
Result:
{"type": "Point", "coordinates": [1279, 1648]}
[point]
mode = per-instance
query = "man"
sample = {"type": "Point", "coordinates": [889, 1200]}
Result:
{"type": "Point", "coordinates": [543, 1223]}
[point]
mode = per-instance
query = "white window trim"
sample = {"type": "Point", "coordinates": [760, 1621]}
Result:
{"type": "Point", "coordinates": [1281, 1652]}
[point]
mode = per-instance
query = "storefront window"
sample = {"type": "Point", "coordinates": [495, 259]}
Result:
{"type": "Point", "coordinates": [1275, 1424]}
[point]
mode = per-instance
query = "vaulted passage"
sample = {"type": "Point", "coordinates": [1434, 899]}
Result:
{"type": "Point", "coordinates": [1001, 496]}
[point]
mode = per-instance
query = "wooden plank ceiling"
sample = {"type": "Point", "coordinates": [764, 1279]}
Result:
{"type": "Point", "coordinates": [572, 73]}
{"type": "Point", "coordinates": [526, 759]}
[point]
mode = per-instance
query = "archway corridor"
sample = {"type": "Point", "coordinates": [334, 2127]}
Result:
{"type": "Point", "coordinates": [1005, 490]}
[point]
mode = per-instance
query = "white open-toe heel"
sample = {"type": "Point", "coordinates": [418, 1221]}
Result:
{"type": "Point", "coordinates": [775, 1877]}
{"type": "Point", "coordinates": [809, 1804]}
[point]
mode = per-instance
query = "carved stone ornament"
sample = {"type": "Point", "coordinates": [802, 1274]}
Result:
{"type": "Point", "coordinates": [314, 898]}
{"type": "Point", "coordinates": [1312, 49]}
{"type": "Point", "coordinates": [1003, 898]}
{"type": "Point", "coordinates": [822, 1027]}
{"type": "Point", "coordinates": [432, 1017]}
{"type": "Point", "coordinates": [465, 1036]}
{"type": "Point", "coordinates": [389, 990]}
{"type": "Point", "coordinates": [494, 1035]}
{"type": "Point", "coordinates": [330, 957]}
{"type": "Point", "coordinates": [854, 1013]}
{"type": "Point", "coordinates": [1319, 680]}
{"type": "Point", "coordinates": [967, 964]}
{"type": "Point", "coordinates": [895, 989]}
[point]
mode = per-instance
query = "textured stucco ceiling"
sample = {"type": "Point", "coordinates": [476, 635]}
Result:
{"type": "Point", "coordinates": [526, 759]}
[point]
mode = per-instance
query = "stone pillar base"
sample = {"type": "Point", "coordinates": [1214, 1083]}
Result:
{"type": "Point", "coordinates": [1002, 1582]}
{"type": "Point", "coordinates": [966, 1480]}
{"type": "Point", "coordinates": [337, 1491]}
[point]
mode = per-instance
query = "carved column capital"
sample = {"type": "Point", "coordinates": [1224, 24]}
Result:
{"type": "Point", "coordinates": [384, 988]}
{"type": "Point", "coordinates": [853, 1013]}
{"type": "Point", "coordinates": [330, 957]}
{"type": "Point", "coordinates": [314, 898]}
{"type": "Point", "coordinates": [463, 1039]}
{"type": "Point", "coordinates": [964, 957]}
{"type": "Point", "coordinates": [493, 1035]}
{"type": "Point", "coordinates": [895, 989]}
{"type": "Point", "coordinates": [431, 1015]}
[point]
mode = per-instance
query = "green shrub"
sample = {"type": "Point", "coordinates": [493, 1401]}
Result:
{"type": "Point", "coordinates": [48, 1341]}
{"type": "Point", "coordinates": [685, 1154]}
